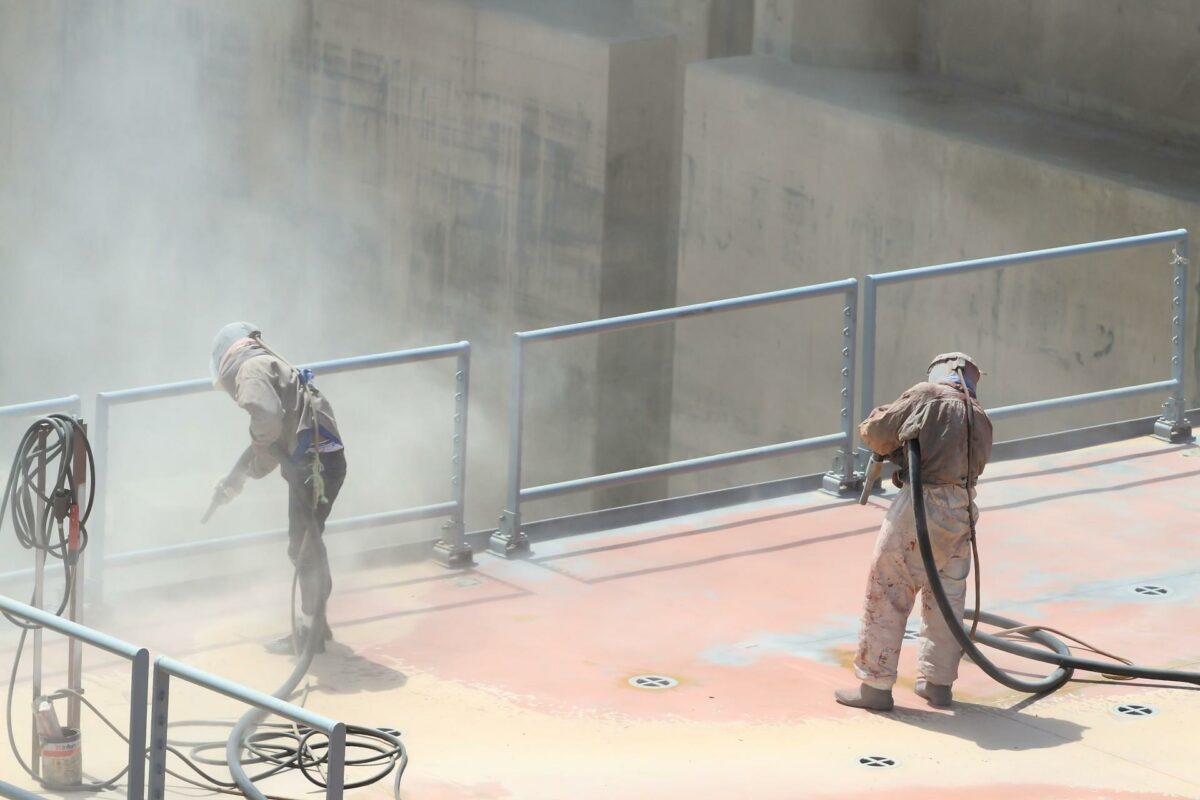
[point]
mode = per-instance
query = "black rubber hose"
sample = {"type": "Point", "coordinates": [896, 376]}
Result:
{"type": "Point", "coordinates": [1059, 654]}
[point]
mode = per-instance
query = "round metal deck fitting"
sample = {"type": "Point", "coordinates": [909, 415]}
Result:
{"type": "Point", "coordinates": [1151, 590]}
{"type": "Point", "coordinates": [1134, 710]}
{"type": "Point", "coordinates": [652, 682]}
{"type": "Point", "coordinates": [877, 762]}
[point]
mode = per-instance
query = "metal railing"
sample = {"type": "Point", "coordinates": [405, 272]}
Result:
{"type": "Point", "coordinates": [1172, 425]}
{"type": "Point", "coordinates": [452, 549]}
{"type": "Point", "coordinates": [65, 405]}
{"type": "Point", "coordinates": [138, 685]}
{"type": "Point", "coordinates": [166, 668]}
{"type": "Point", "coordinates": [510, 541]}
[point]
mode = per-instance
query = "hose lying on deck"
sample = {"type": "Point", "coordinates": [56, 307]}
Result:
{"type": "Point", "coordinates": [1056, 652]}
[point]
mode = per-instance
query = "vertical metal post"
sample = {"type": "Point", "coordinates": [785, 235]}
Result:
{"type": "Point", "coordinates": [138, 684]}
{"type": "Point", "coordinates": [38, 594]}
{"type": "Point", "coordinates": [1173, 426]}
{"type": "Point", "coordinates": [95, 549]}
{"type": "Point", "coordinates": [159, 715]}
{"type": "Point", "coordinates": [510, 541]}
{"type": "Point", "coordinates": [453, 550]}
{"type": "Point", "coordinates": [849, 362]}
{"type": "Point", "coordinates": [868, 349]}
{"type": "Point", "coordinates": [75, 611]}
{"type": "Point", "coordinates": [335, 774]}
{"type": "Point", "coordinates": [841, 480]}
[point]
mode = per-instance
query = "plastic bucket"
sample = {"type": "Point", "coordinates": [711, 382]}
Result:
{"type": "Point", "coordinates": [62, 760]}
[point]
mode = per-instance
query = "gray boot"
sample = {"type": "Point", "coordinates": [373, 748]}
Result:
{"type": "Point", "coordinates": [865, 697]}
{"type": "Point", "coordinates": [939, 696]}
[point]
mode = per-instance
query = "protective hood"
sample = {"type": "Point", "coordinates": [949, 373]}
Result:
{"type": "Point", "coordinates": [945, 367]}
{"type": "Point", "coordinates": [226, 337]}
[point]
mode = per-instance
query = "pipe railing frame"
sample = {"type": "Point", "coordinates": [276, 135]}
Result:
{"type": "Point", "coordinates": [510, 540]}
{"type": "Point", "coordinates": [139, 658]}
{"type": "Point", "coordinates": [71, 404]}
{"type": "Point", "coordinates": [452, 550]}
{"type": "Point", "coordinates": [1172, 426]}
{"type": "Point", "coordinates": [166, 668]}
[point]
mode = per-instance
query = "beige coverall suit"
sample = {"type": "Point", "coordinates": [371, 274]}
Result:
{"type": "Point", "coordinates": [935, 415]}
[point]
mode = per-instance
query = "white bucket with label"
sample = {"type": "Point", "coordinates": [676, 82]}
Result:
{"type": "Point", "coordinates": [62, 760]}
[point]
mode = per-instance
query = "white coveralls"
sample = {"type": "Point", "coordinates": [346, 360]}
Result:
{"type": "Point", "coordinates": [897, 574]}
{"type": "Point", "coordinates": [935, 415]}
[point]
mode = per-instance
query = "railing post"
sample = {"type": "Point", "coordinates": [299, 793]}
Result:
{"type": "Point", "coordinates": [94, 554]}
{"type": "Point", "coordinates": [867, 403]}
{"type": "Point", "coordinates": [335, 771]}
{"type": "Point", "coordinates": [138, 685]}
{"type": "Point", "coordinates": [159, 717]}
{"type": "Point", "coordinates": [452, 550]}
{"type": "Point", "coordinates": [841, 480]}
{"type": "Point", "coordinates": [510, 541]}
{"type": "Point", "coordinates": [1173, 426]}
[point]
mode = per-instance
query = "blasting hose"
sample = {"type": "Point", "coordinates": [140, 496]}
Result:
{"type": "Point", "coordinates": [1056, 652]}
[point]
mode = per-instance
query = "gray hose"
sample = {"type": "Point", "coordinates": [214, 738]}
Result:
{"type": "Point", "coordinates": [251, 719]}
{"type": "Point", "coordinates": [1058, 653]}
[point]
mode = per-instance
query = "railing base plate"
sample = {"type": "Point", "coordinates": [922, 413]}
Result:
{"type": "Point", "coordinates": [1170, 431]}
{"type": "Point", "coordinates": [509, 545]}
{"type": "Point", "coordinates": [841, 486]}
{"type": "Point", "coordinates": [451, 557]}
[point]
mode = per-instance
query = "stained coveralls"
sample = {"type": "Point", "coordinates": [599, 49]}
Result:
{"type": "Point", "coordinates": [281, 434]}
{"type": "Point", "coordinates": [935, 415]}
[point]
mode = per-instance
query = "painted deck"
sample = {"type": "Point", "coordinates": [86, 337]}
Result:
{"type": "Point", "coordinates": [511, 680]}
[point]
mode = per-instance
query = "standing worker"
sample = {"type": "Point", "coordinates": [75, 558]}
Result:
{"type": "Point", "coordinates": [285, 409]}
{"type": "Point", "coordinates": [955, 436]}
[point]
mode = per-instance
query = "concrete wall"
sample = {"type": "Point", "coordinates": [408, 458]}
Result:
{"type": "Point", "coordinates": [869, 34]}
{"type": "Point", "coordinates": [1112, 60]}
{"type": "Point", "coordinates": [1132, 62]}
{"type": "Point", "coordinates": [704, 28]}
{"type": "Point", "coordinates": [421, 171]}
{"type": "Point", "coordinates": [795, 175]}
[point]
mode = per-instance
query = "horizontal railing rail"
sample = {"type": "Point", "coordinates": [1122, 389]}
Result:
{"type": "Point", "coordinates": [511, 541]}
{"type": "Point", "coordinates": [59, 405]}
{"type": "Point", "coordinates": [167, 668]}
{"type": "Point", "coordinates": [139, 658]}
{"type": "Point", "coordinates": [1173, 425]}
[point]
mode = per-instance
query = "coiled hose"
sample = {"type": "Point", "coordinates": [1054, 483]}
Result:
{"type": "Point", "coordinates": [38, 520]}
{"type": "Point", "coordinates": [1056, 651]}
{"type": "Point", "coordinates": [394, 751]}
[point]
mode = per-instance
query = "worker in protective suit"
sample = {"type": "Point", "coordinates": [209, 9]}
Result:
{"type": "Point", "coordinates": [292, 426]}
{"type": "Point", "coordinates": [935, 413]}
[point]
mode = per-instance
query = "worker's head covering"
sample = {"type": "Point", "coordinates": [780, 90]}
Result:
{"type": "Point", "coordinates": [227, 337]}
{"type": "Point", "coordinates": [946, 367]}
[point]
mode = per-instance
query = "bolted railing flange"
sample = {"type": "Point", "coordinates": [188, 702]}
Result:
{"type": "Point", "coordinates": [509, 541]}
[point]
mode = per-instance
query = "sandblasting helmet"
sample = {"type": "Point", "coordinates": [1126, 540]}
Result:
{"type": "Point", "coordinates": [225, 339]}
{"type": "Point", "coordinates": [947, 365]}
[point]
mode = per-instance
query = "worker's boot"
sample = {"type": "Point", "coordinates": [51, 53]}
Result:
{"type": "Point", "coordinates": [865, 697]}
{"type": "Point", "coordinates": [284, 645]}
{"type": "Point", "coordinates": [939, 696]}
{"type": "Point", "coordinates": [287, 646]}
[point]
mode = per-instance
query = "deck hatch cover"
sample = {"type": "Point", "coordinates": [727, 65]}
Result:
{"type": "Point", "coordinates": [652, 682]}
{"type": "Point", "coordinates": [1134, 710]}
